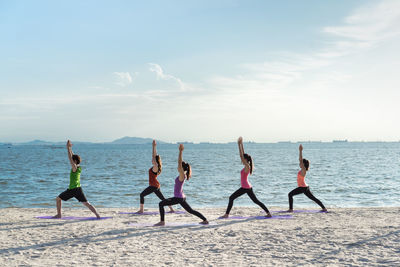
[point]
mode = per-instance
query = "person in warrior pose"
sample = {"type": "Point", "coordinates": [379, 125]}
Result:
{"type": "Point", "coordinates": [185, 172]}
{"type": "Point", "coordinates": [246, 187]}
{"type": "Point", "coordinates": [303, 188]}
{"type": "Point", "coordinates": [154, 185]}
{"type": "Point", "coordinates": [74, 188]}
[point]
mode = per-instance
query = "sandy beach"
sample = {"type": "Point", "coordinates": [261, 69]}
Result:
{"type": "Point", "coordinates": [344, 236]}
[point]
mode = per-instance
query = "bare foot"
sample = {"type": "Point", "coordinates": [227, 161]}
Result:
{"type": "Point", "coordinates": [290, 210]}
{"type": "Point", "coordinates": [171, 210]}
{"type": "Point", "coordinates": [98, 216]}
{"type": "Point", "coordinates": [58, 216]}
{"type": "Point", "coordinates": [161, 223]}
{"type": "Point", "coordinates": [225, 216]}
{"type": "Point", "coordinates": [140, 211]}
{"type": "Point", "coordinates": [268, 215]}
{"type": "Point", "coordinates": [204, 222]}
{"type": "Point", "coordinates": [324, 210]}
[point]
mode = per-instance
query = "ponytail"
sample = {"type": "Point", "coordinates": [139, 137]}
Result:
{"type": "Point", "coordinates": [188, 172]}
{"type": "Point", "coordinates": [188, 169]}
{"type": "Point", "coordinates": [250, 161]}
{"type": "Point", "coordinates": [159, 164]}
{"type": "Point", "coordinates": [306, 163]}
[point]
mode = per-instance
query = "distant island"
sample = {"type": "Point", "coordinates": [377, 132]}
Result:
{"type": "Point", "coordinates": [134, 141]}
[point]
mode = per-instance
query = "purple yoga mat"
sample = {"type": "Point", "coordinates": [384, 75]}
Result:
{"type": "Point", "coordinates": [171, 224]}
{"type": "Point", "coordinates": [257, 217]}
{"type": "Point", "coordinates": [300, 211]}
{"type": "Point", "coordinates": [152, 212]}
{"type": "Point", "coordinates": [74, 218]}
{"type": "Point", "coordinates": [144, 213]}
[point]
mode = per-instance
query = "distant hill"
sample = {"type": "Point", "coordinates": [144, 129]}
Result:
{"type": "Point", "coordinates": [134, 141]}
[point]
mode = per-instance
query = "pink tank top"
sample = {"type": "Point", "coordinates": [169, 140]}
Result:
{"type": "Point", "coordinates": [178, 188]}
{"type": "Point", "coordinates": [243, 179]}
{"type": "Point", "coordinates": [301, 180]}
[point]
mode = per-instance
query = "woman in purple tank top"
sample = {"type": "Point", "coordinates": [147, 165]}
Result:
{"type": "Point", "coordinates": [246, 187]}
{"type": "Point", "coordinates": [185, 172]}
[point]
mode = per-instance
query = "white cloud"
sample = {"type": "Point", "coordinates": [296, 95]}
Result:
{"type": "Point", "coordinates": [123, 78]}
{"type": "Point", "coordinates": [153, 67]}
{"type": "Point", "coordinates": [368, 25]}
{"type": "Point", "coordinates": [365, 28]}
{"type": "Point", "coordinates": [269, 77]}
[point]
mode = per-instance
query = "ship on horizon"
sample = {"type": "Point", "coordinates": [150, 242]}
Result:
{"type": "Point", "coordinates": [340, 141]}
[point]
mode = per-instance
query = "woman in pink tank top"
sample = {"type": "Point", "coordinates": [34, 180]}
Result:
{"type": "Point", "coordinates": [185, 172]}
{"type": "Point", "coordinates": [303, 188]}
{"type": "Point", "coordinates": [246, 187]}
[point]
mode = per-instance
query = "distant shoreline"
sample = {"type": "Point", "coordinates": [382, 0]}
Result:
{"type": "Point", "coordinates": [148, 141]}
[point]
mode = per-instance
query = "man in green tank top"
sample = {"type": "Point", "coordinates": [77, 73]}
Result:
{"type": "Point", "coordinates": [75, 178]}
{"type": "Point", "coordinates": [74, 188]}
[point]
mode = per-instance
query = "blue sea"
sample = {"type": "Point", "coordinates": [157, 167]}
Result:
{"type": "Point", "coordinates": [341, 174]}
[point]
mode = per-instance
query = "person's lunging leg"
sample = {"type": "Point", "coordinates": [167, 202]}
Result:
{"type": "Point", "coordinates": [235, 195]}
{"type": "Point", "coordinates": [166, 202]}
{"type": "Point", "coordinates": [312, 197]}
{"type": "Point", "coordinates": [189, 209]}
{"type": "Point", "coordinates": [296, 191]}
{"type": "Point", "coordinates": [161, 196]}
{"type": "Point", "coordinates": [253, 197]}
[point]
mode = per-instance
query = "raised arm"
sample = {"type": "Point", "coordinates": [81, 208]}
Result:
{"type": "Point", "coordinates": [301, 156]}
{"type": "Point", "coordinates": [180, 169]}
{"type": "Point", "coordinates": [71, 161]}
{"type": "Point", "coordinates": [241, 154]}
{"type": "Point", "coordinates": [154, 150]}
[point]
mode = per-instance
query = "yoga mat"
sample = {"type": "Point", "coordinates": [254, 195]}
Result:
{"type": "Point", "coordinates": [152, 212]}
{"type": "Point", "coordinates": [257, 217]}
{"type": "Point", "coordinates": [144, 213]}
{"type": "Point", "coordinates": [299, 211]}
{"type": "Point", "coordinates": [171, 224]}
{"type": "Point", "coordinates": [74, 218]}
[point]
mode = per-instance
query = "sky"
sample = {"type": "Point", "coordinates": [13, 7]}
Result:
{"type": "Point", "coordinates": [201, 71]}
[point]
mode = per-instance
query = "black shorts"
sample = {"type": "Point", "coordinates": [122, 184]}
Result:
{"type": "Point", "coordinates": [76, 193]}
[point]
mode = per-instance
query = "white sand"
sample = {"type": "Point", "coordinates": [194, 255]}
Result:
{"type": "Point", "coordinates": [356, 236]}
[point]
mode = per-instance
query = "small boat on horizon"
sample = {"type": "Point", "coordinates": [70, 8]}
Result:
{"type": "Point", "coordinates": [340, 141]}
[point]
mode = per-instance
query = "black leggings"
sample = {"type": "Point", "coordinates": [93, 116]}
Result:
{"type": "Point", "coordinates": [177, 200]}
{"type": "Point", "coordinates": [148, 191]}
{"type": "Point", "coordinates": [250, 193]}
{"type": "Point", "coordinates": [306, 191]}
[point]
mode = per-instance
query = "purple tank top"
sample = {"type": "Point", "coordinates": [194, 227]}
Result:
{"type": "Point", "coordinates": [178, 188]}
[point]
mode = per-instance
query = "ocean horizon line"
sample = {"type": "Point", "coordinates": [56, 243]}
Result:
{"type": "Point", "coordinates": [146, 141]}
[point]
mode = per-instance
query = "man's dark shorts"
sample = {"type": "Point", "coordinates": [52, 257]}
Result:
{"type": "Point", "coordinates": [76, 193]}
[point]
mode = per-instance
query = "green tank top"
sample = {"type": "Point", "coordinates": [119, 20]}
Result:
{"type": "Point", "coordinates": [75, 178]}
